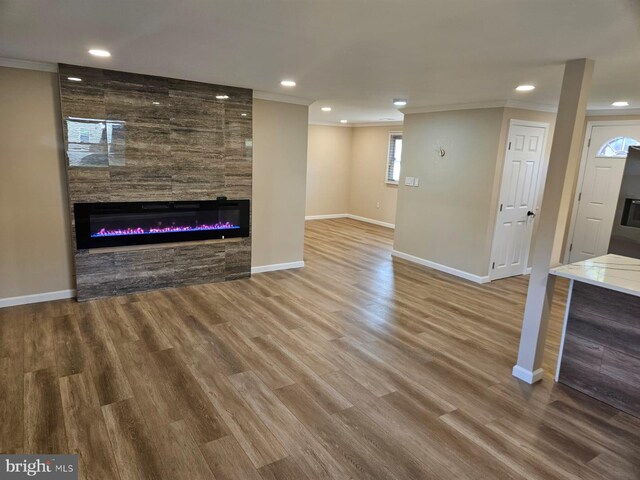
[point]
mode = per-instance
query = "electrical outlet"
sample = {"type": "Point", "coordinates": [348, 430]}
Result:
{"type": "Point", "coordinates": [408, 181]}
{"type": "Point", "coordinates": [377, 204]}
{"type": "Point", "coordinates": [416, 181]}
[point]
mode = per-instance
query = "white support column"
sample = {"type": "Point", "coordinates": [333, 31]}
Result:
{"type": "Point", "coordinates": [566, 145]}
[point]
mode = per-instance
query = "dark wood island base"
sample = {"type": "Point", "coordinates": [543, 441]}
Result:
{"type": "Point", "coordinates": [600, 347]}
{"type": "Point", "coordinates": [601, 354]}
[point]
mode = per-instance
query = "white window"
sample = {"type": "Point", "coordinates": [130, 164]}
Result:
{"type": "Point", "coordinates": [617, 147]}
{"type": "Point", "coordinates": [395, 157]}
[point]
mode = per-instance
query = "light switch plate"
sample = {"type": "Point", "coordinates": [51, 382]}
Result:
{"type": "Point", "coordinates": [416, 181]}
{"type": "Point", "coordinates": [408, 181]}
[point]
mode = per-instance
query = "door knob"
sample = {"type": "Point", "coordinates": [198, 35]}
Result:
{"type": "Point", "coordinates": [530, 214]}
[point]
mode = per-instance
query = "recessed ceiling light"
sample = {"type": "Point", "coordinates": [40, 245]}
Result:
{"type": "Point", "coordinates": [99, 53]}
{"type": "Point", "coordinates": [74, 79]}
{"type": "Point", "coordinates": [288, 83]}
{"type": "Point", "coordinates": [156, 103]}
{"type": "Point", "coordinates": [525, 88]}
{"type": "Point", "coordinates": [243, 114]}
{"type": "Point", "coordinates": [326, 109]}
{"type": "Point", "coordinates": [222, 97]}
{"type": "Point", "coordinates": [620, 104]}
{"type": "Point", "coordinates": [343, 121]}
{"type": "Point", "coordinates": [399, 102]}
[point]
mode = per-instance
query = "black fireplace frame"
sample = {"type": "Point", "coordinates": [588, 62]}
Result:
{"type": "Point", "coordinates": [83, 211]}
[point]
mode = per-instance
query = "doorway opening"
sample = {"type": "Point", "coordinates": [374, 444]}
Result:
{"type": "Point", "coordinates": [519, 202]}
{"type": "Point", "coordinates": [601, 170]}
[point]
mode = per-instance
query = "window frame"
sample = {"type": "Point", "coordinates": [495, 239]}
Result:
{"type": "Point", "coordinates": [601, 154]}
{"type": "Point", "coordinates": [392, 134]}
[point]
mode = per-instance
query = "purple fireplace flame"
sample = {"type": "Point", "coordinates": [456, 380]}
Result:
{"type": "Point", "coordinates": [119, 224]}
{"type": "Point", "coordinates": [106, 232]}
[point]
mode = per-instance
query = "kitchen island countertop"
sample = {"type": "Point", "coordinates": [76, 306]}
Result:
{"type": "Point", "coordinates": [613, 272]}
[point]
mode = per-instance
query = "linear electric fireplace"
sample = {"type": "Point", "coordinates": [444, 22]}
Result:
{"type": "Point", "coordinates": [100, 225]}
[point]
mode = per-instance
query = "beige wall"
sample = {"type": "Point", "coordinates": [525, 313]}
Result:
{"type": "Point", "coordinates": [367, 187]}
{"type": "Point", "coordinates": [279, 182]}
{"type": "Point", "coordinates": [437, 126]}
{"type": "Point", "coordinates": [346, 172]}
{"type": "Point", "coordinates": [328, 170]}
{"type": "Point", "coordinates": [35, 253]}
{"type": "Point", "coordinates": [447, 218]}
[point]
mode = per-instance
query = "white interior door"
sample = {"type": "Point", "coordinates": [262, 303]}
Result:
{"type": "Point", "coordinates": [598, 192]}
{"type": "Point", "coordinates": [518, 200]}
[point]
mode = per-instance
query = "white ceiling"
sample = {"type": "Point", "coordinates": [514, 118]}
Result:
{"type": "Point", "coordinates": [354, 55]}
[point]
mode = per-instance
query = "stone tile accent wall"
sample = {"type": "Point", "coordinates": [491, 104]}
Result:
{"type": "Point", "coordinates": [131, 137]}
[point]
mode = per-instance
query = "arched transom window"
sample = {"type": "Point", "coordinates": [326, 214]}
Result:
{"type": "Point", "coordinates": [617, 147]}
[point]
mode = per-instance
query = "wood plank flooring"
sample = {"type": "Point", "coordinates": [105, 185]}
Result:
{"type": "Point", "coordinates": [356, 366]}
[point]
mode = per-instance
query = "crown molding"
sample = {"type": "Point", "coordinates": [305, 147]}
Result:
{"type": "Point", "coordinates": [358, 125]}
{"type": "Point", "coordinates": [539, 107]}
{"type": "Point", "coordinates": [329, 124]}
{"type": "Point", "coordinates": [453, 106]}
{"type": "Point", "coordinates": [618, 112]}
{"type": "Point", "coordinates": [29, 65]}
{"type": "Point", "coordinates": [378, 124]}
{"type": "Point", "coordinates": [278, 97]}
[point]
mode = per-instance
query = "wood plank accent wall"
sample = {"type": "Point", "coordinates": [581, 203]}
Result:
{"type": "Point", "coordinates": [163, 139]}
{"type": "Point", "coordinates": [601, 355]}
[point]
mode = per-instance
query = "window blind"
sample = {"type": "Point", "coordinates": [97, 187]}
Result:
{"type": "Point", "coordinates": [395, 154]}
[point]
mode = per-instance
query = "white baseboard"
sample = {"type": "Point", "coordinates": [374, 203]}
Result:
{"type": "Point", "coordinates": [527, 271]}
{"type": "Point", "coordinates": [37, 298]}
{"type": "Point", "coordinates": [64, 294]}
{"type": "Point", "coordinates": [527, 375]}
{"type": "Point", "coordinates": [371, 220]}
{"type": "Point", "coordinates": [352, 217]}
{"type": "Point", "coordinates": [326, 217]}
{"type": "Point", "coordinates": [277, 266]}
{"type": "Point", "coordinates": [442, 268]}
